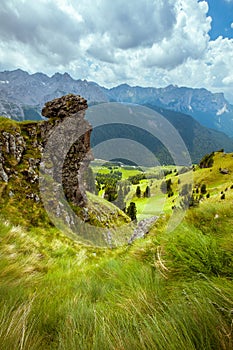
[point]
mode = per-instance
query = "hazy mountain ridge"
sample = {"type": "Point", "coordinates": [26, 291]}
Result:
{"type": "Point", "coordinates": [22, 89]}
{"type": "Point", "coordinates": [210, 109]}
{"type": "Point", "coordinates": [20, 92]}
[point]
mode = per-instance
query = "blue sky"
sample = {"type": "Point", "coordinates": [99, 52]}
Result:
{"type": "Point", "coordinates": [139, 42]}
{"type": "Point", "coordinates": [221, 12]}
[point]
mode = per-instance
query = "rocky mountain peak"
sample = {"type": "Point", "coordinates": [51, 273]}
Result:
{"type": "Point", "coordinates": [65, 77]}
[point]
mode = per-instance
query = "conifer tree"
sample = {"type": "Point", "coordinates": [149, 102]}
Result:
{"type": "Point", "coordinates": [132, 211]}
{"type": "Point", "coordinates": [138, 192]}
{"type": "Point", "coordinates": [147, 192]}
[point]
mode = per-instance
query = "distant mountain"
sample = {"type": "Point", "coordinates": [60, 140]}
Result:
{"type": "Point", "coordinates": [198, 139]}
{"type": "Point", "coordinates": [23, 95]}
{"type": "Point", "coordinates": [211, 110]}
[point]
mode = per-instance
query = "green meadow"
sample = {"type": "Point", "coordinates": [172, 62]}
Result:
{"type": "Point", "coordinates": [169, 290]}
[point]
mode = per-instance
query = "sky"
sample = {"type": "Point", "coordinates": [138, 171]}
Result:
{"type": "Point", "coordinates": [139, 42]}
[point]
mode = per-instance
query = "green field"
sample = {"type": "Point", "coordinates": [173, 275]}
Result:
{"type": "Point", "coordinates": [158, 202]}
{"type": "Point", "coordinates": [170, 290]}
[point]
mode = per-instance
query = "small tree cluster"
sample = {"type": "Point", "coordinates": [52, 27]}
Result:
{"type": "Point", "coordinates": [135, 180]}
{"type": "Point", "coordinates": [110, 192]}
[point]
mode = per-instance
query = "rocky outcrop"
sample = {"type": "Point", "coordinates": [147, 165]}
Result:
{"type": "Point", "coordinates": [64, 107]}
{"type": "Point", "coordinates": [21, 147]}
{"type": "Point", "coordinates": [143, 228]}
{"type": "Point", "coordinates": [69, 163]}
{"type": "Point", "coordinates": [224, 171]}
{"type": "Point", "coordinates": [11, 146]}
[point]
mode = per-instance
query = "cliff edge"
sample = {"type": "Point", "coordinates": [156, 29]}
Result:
{"type": "Point", "coordinates": [23, 144]}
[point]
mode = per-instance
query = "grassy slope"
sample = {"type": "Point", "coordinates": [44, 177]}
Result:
{"type": "Point", "coordinates": [170, 291]}
{"type": "Point", "coordinates": [212, 177]}
{"type": "Point", "coordinates": [14, 202]}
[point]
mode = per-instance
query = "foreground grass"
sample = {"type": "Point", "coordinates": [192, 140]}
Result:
{"type": "Point", "coordinates": [167, 291]}
{"type": "Point", "coordinates": [170, 291]}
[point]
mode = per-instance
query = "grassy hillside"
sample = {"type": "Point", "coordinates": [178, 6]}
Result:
{"type": "Point", "coordinates": [167, 291]}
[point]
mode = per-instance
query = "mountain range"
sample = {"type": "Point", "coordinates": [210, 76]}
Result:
{"type": "Point", "coordinates": [23, 95]}
{"type": "Point", "coordinates": [203, 119]}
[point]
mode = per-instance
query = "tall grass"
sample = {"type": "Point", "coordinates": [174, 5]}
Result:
{"type": "Point", "coordinates": [169, 291]}
{"type": "Point", "coordinates": [18, 328]}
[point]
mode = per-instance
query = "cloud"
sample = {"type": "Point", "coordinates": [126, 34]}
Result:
{"type": "Point", "coordinates": [228, 80]}
{"type": "Point", "coordinates": [40, 27]}
{"type": "Point", "coordinates": [56, 26]}
{"type": "Point", "coordinates": [141, 42]}
{"type": "Point", "coordinates": [189, 38]}
{"type": "Point", "coordinates": [212, 71]}
{"type": "Point", "coordinates": [232, 25]}
{"type": "Point", "coordinates": [129, 24]}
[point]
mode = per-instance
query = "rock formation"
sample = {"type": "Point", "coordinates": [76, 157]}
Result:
{"type": "Point", "coordinates": [142, 229]}
{"type": "Point", "coordinates": [74, 132]}
{"type": "Point", "coordinates": [64, 107]}
{"type": "Point", "coordinates": [21, 147]}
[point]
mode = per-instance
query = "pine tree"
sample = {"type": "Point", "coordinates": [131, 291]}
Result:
{"type": "Point", "coordinates": [138, 192]}
{"type": "Point", "coordinates": [147, 192]}
{"type": "Point", "coordinates": [132, 211]}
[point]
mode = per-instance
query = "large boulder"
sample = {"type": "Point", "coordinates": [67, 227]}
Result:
{"type": "Point", "coordinates": [64, 106]}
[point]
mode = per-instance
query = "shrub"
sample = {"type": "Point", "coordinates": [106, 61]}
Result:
{"type": "Point", "coordinates": [203, 189]}
{"type": "Point", "coordinates": [207, 161]}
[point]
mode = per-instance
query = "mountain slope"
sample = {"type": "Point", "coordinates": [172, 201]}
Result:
{"type": "Point", "coordinates": [22, 95]}
{"type": "Point", "coordinates": [210, 109]}
{"type": "Point", "coordinates": [199, 140]}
